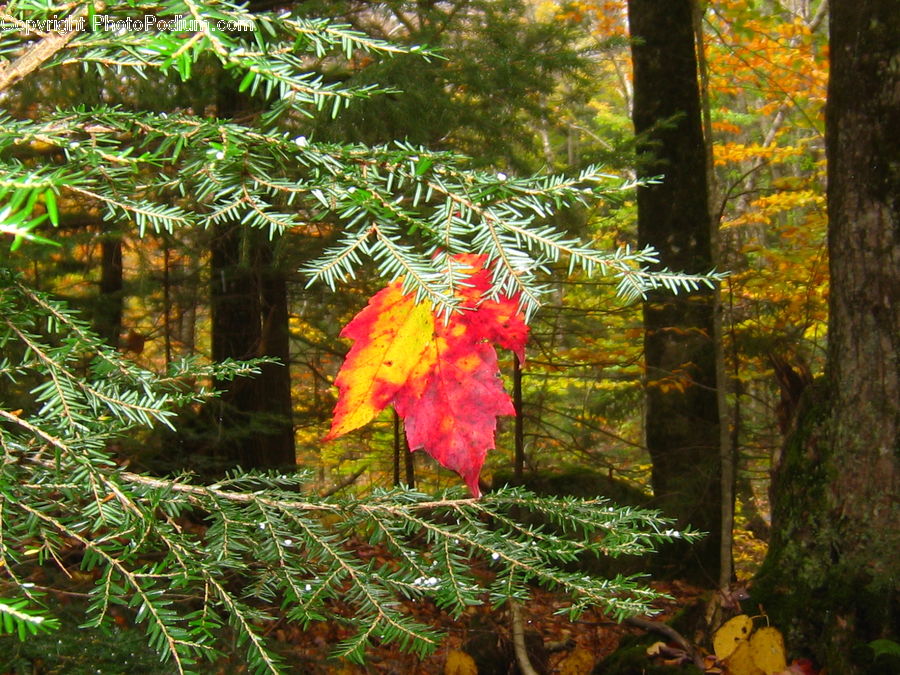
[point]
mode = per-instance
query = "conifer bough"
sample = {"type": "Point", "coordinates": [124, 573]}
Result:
{"type": "Point", "coordinates": [66, 397]}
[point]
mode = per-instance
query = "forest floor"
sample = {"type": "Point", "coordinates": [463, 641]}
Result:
{"type": "Point", "coordinates": [481, 640]}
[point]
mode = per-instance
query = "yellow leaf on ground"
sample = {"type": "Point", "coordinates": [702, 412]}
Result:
{"type": "Point", "coordinates": [653, 650]}
{"type": "Point", "coordinates": [741, 661]}
{"type": "Point", "coordinates": [579, 662]}
{"type": "Point", "coordinates": [460, 663]}
{"type": "Point", "coordinates": [345, 669]}
{"type": "Point", "coordinates": [767, 647]}
{"type": "Point", "coordinates": [731, 634]}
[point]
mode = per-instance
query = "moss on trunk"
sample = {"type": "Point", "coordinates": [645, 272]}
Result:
{"type": "Point", "coordinates": [829, 598]}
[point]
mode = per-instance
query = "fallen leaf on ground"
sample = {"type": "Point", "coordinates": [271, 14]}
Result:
{"type": "Point", "coordinates": [767, 647]}
{"type": "Point", "coordinates": [731, 634]}
{"type": "Point", "coordinates": [460, 663]}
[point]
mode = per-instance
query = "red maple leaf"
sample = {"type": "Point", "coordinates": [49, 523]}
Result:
{"type": "Point", "coordinates": [440, 373]}
{"type": "Point", "coordinates": [499, 321]}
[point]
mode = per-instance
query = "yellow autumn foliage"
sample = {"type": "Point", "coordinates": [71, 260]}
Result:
{"type": "Point", "coordinates": [579, 662]}
{"type": "Point", "coordinates": [741, 661]}
{"type": "Point", "coordinates": [732, 153]}
{"type": "Point", "coordinates": [731, 634]}
{"type": "Point", "coordinates": [767, 648]}
{"type": "Point", "coordinates": [748, 652]}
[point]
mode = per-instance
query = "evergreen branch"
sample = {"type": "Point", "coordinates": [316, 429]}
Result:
{"type": "Point", "coordinates": [338, 263]}
{"type": "Point", "coordinates": [236, 613]}
{"type": "Point", "coordinates": [65, 319]}
{"type": "Point", "coordinates": [507, 269]}
{"type": "Point", "coordinates": [350, 39]}
{"type": "Point", "coordinates": [456, 585]}
{"type": "Point", "coordinates": [51, 440]}
{"type": "Point", "coordinates": [64, 380]}
{"type": "Point", "coordinates": [520, 554]}
{"type": "Point", "coordinates": [158, 216]}
{"type": "Point", "coordinates": [382, 531]}
{"type": "Point", "coordinates": [170, 641]}
{"type": "Point", "coordinates": [415, 272]}
{"type": "Point", "coordinates": [16, 616]}
{"type": "Point", "coordinates": [283, 563]}
{"type": "Point", "coordinates": [373, 604]}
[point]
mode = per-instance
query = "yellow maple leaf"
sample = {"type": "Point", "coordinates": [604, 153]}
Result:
{"type": "Point", "coordinates": [391, 335]}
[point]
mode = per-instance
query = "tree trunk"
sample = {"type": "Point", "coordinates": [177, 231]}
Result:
{"type": "Point", "coordinates": [252, 420]}
{"type": "Point", "coordinates": [682, 419]}
{"type": "Point", "coordinates": [830, 578]}
{"type": "Point", "coordinates": [250, 319]}
{"type": "Point", "coordinates": [519, 430]}
{"type": "Point", "coordinates": [108, 313]}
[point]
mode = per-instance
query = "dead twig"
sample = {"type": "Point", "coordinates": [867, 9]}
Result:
{"type": "Point", "coordinates": [669, 632]}
{"type": "Point", "coordinates": [518, 631]}
{"type": "Point", "coordinates": [37, 54]}
{"type": "Point", "coordinates": [346, 482]}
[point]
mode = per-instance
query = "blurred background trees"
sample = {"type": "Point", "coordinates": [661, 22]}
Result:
{"type": "Point", "coordinates": [521, 86]}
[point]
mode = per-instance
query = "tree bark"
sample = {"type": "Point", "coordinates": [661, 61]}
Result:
{"type": "Point", "coordinates": [830, 577]}
{"type": "Point", "coordinates": [682, 419]}
{"type": "Point", "coordinates": [250, 319]}
{"type": "Point", "coordinates": [252, 419]}
{"type": "Point", "coordinates": [108, 313]}
{"type": "Point", "coordinates": [519, 429]}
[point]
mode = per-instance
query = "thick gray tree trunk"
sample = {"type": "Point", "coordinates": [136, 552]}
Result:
{"type": "Point", "coordinates": [830, 578]}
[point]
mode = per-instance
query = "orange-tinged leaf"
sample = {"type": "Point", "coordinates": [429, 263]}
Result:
{"type": "Point", "coordinates": [390, 339]}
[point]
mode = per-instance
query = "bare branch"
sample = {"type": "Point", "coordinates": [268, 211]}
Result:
{"type": "Point", "coordinates": [39, 53]}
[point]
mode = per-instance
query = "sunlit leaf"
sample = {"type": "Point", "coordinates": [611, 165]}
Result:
{"type": "Point", "coordinates": [731, 634]}
{"type": "Point", "coordinates": [440, 373]}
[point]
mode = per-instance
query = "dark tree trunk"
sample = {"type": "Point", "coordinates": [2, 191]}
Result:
{"type": "Point", "coordinates": [519, 432]}
{"type": "Point", "coordinates": [398, 448]}
{"type": "Point", "coordinates": [830, 578]}
{"type": "Point", "coordinates": [249, 307]}
{"type": "Point", "coordinates": [108, 313]}
{"type": "Point", "coordinates": [250, 319]}
{"type": "Point", "coordinates": [682, 419]}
